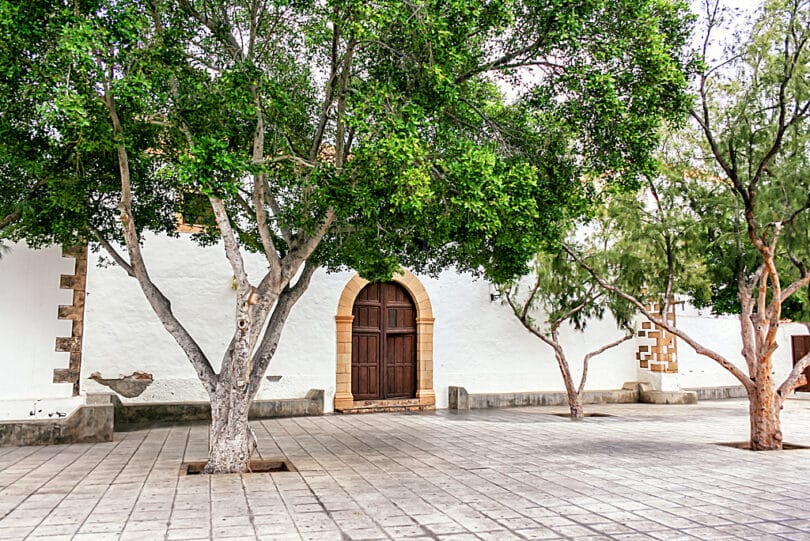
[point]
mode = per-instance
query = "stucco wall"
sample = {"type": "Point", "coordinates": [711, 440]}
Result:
{"type": "Point", "coordinates": [478, 343]}
{"type": "Point", "coordinates": [722, 334]}
{"type": "Point", "coordinates": [481, 346]}
{"type": "Point", "coordinates": [29, 281]}
{"type": "Point", "coordinates": [122, 333]}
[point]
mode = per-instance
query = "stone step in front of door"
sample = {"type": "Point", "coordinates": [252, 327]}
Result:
{"type": "Point", "coordinates": [385, 406]}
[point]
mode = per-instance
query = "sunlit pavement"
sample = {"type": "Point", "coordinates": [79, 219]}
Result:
{"type": "Point", "coordinates": [647, 472]}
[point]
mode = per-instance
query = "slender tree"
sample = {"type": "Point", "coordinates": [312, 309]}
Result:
{"type": "Point", "coordinates": [748, 188]}
{"type": "Point", "coordinates": [322, 134]}
{"type": "Point", "coordinates": [566, 296]}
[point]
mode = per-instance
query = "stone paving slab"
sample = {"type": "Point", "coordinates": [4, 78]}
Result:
{"type": "Point", "coordinates": [648, 472]}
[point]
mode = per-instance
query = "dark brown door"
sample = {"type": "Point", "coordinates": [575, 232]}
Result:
{"type": "Point", "coordinates": [801, 345]}
{"type": "Point", "coordinates": [383, 343]}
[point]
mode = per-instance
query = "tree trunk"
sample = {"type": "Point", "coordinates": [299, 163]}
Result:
{"type": "Point", "coordinates": [763, 410]}
{"type": "Point", "coordinates": [230, 440]}
{"type": "Point", "coordinates": [574, 397]}
{"type": "Point", "coordinates": [575, 404]}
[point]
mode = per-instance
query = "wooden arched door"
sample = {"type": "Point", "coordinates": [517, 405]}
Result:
{"type": "Point", "coordinates": [383, 343]}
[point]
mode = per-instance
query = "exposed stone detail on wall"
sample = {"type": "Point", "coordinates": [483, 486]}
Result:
{"type": "Point", "coordinates": [424, 340]}
{"type": "Point", "coordinates": [657, 348]}
{"type": "Point", "coordinates": [73, 312]}
{"type": "Point", "coordinates": [127, 386]}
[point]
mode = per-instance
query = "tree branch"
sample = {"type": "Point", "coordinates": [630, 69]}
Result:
{"type": "Point", "coordinates": [117, 257]}
{"type": "Point", "coordinates": [787, 74]}
{"type": "Point", "coordinates": [232, 250]}
{"type": "Point", "coordinates": [267, 348]}
{"type": "Point", "coordinates": [272, 202]}
{"type": "Point", "coordinates": [157, 300]}
{"type": "Point", "coordinates": [10, 218]}
{"type": "Point", "coordinates": [330, 91]}
{"type": "Point", "coordinates": [259, 196]}
{"type": "Point", "coordinates": [794, 287]}
{"type": "Point", "coordinates": [219, 28]}
{"type": "Point", "coordinates": [792, 379]}
{"type": "Point", "coordinates": [301, 252]}
{"type": "Point", "coordinates": [597, 352]}
{"type": "Point", "coordinates": [502, 61]}
{"type": "Point", "coordinates": [661, 322]}
{"type": "Point", "coordinates": [524, 320]}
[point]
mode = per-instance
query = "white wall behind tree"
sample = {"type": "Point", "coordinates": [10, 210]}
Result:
{"type": "Point", "coordinates": [122, 333]}
{"type": "Point", "coordinates": [722, 334]}
{"type": "Point", "coordinates": [481, 346]}
{"type": "Point", "coordinates": [478, 344]}
{"type": "Point", "coordinates": [29, 281]}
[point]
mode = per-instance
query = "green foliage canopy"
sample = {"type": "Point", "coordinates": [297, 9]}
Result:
{"type": "Point", "coordinates": [751, 168]}
{"type": "Point", "coordinates": [390, 116]}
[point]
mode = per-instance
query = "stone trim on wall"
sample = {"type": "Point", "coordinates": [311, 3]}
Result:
{"type": "Point", "coordinates": [424, 340]}
{"type": "Point", "coordinates": [73, 312]}
{"type": "Point", "coordinates": [657, 348]}
{"type": "Point", "coordinates": [184, 227]}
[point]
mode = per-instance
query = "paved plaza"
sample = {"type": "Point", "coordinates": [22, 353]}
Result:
{"type": "Point", "coordinates": [646, 472]}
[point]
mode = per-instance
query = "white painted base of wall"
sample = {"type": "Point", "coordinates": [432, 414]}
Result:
{"type": "Point", "coordinates": [661, 381]}
{"type": "Point", "coordinates": [46, 408]}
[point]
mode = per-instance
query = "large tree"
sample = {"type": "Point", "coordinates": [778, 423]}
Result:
{"type": "Point", "coordinates": [355, 134]}
{"type": "Point", "coordinates": [745, 187]}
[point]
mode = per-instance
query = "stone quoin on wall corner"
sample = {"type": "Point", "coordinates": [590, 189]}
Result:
{"type": "Point", "coordinates": [657, 347]}
{"type": "Point", "coordinates": [73, 312]}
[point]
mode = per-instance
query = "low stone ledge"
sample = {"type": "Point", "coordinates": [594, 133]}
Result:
{"type": "Point", "coordinates": [632, 391]}
{"type": "Point", "coordinates": [179, 412]}
{"type": "Point", "coordinates": [460, 399]}
{"type": "Point", "coordinates": [719, 393]}
{"type": "Point", "coordinates": [90, 423]}
{"type": "Point", "coordinates": [310, 405]}
{"type": "Point", "coordinates": [668, 397]}
{"type": "Point", "coordinates": [396, 405]}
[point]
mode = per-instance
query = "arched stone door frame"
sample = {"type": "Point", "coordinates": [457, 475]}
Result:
{"type": "Point", "coordinates": [424, 339]}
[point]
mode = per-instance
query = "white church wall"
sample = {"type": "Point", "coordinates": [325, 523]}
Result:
{"type": "Point", "coordinates": [783, 356]}
{"type": "Point", "coordinates": [477, 343]}
{"type": "Point", "coordinates": [719, 333]}
{"type": "Point", "coordinates": [481, 346]}
{"type": "Point", "coordinates": [123, 334]}
{"type": "Point", "coordinates": [30, 281]}
{"type": "Point", "coordinates": [722, 334]}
